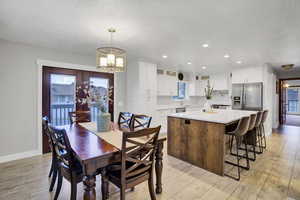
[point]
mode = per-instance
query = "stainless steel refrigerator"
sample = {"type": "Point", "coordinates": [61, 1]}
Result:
{"type": "Point", "coordinates": [247, 96]}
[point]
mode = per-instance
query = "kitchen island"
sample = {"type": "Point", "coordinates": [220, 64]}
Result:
{"type": "Point", "coordinates": [199, 137]}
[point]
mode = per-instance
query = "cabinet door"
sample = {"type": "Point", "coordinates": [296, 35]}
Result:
{"type": "Point", "coordinates": [162, 85]}
{"type": "Point", "coordinates": [172, 85]}
{"type": "Point", "coordinates": [176, 138]}
{"type": "Point", "coordinates": [219, 81]}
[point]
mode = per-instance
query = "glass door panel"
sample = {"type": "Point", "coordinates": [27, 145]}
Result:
{"type": "Point", "coordinates": [293, 95]}
{"type": "Point", "coordinates": [101, 86]}
{"type": "Point", "coordinates": [62, 98]}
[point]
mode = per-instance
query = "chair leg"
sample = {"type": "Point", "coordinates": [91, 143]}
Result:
{"type": "Point", "coordinates": [53, 180]}
{"type": "Point", "coordinates": [238, 159]}
{"type": "Point", "coordinates": [258, 141]}
{"type": "Point", "coordinates": [122, 195]}
{"type": "Point", "coordinates": [264, 137]}
{"type": "Point", "coordinates": [51, 170]}
{"type": "Point", "coordinates": [132, 189]}
{"type": "Point", "coordinates": [231, 144]}
{"type": "Point", "coordinates": [247, 156]}
{"type": "Point", "coordinates": [151, 187]}
{"type": "Point", "coordinates": [59, 184]}
{"type": "Point", "coordinates": [73, 190]}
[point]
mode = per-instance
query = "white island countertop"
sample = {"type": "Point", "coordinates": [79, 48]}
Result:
{"type": "Point", "coordinates": [217, 116]}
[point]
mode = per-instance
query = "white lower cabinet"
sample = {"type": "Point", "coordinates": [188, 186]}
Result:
{"type": "Point", "coordinates": [162, 118]}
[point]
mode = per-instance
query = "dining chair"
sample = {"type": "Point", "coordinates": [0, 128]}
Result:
{"type": "Point", "coordinates": [79, 116]}
{"type": "Point", "coordinates": [68, 166]}
{"type": "Point", "coordinates": [238, 134]}
{"type": "Point", "coordinates": [137, 162]}
{"type": "Point", "coordinates": [53, 168]}
{"type": "Point", "coordinates": [124, 119]}
{"type": "Point", "coordinates": [262, 128]}
{"type": "Point", "coordinates": [140, 122]}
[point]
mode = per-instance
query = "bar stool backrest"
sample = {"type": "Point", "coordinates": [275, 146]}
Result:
{"type": "Point", "coordinates": [242, 127]}
{"type": "Point", "coordinates": [252, 121]}
{"type": "Point", "coordinates": [258, 118]}
{"type": "Point", "coordinates": [264, 116]}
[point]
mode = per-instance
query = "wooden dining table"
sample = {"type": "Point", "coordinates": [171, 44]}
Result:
{"type": "Point", "coordinates": [95, 154]}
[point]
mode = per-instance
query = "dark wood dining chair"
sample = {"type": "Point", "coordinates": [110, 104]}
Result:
{"type": "Point", "coordinates": [140, 122]}
{"type": "Point", "coordinates": [79, 116]}
{"type": "Point", "coordinates": [53, 168]}
{"type": "Point", "coordinates": [137, 159]}
{"type": "Point", "coordinates": [68, 166]}
{"type": "Point", "coordinates": [238, 134]}
{"type": "Point", "coordinates": [124, 120]}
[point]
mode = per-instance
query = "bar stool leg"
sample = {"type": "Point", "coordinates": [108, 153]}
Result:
{"type": "Point", "coordinates": [264, 136]}
{"type": "Point", "coordinates": [238, 159]}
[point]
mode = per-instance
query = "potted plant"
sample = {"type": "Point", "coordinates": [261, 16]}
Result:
{"type": "Point", "coordinates": [93, 97]}
{"type": "Point", "coordinates": [208, 95]}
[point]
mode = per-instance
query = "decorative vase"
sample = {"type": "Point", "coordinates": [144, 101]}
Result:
{"type": "Point", "coordinates": [103, 121]}
{"type": "Point", "coordinates": [207, 106]}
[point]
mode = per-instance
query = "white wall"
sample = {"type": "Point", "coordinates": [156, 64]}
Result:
{"type": "Point", "coordinates": [19, 92]}
{"type": "Point", "coordinates": [270, 97]}
{"type": "Point", "coordinates": [289, 74]}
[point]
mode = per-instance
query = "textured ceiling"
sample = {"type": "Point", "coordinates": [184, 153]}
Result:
{"type": "Point", "coordinates": [254, 31]}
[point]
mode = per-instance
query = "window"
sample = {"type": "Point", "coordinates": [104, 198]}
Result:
{"type": "Point", "coordinates": [181, 91]}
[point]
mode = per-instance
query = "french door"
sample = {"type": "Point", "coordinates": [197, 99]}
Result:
{"type": "Point", "coordinates": [60, 97]}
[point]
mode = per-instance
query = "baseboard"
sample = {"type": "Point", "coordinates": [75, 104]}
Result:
{"type": "Point", "coordinates": [18, 156]}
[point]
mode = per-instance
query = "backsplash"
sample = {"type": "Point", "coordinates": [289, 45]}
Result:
{"type": "Point", "coordinates": [218, 98]}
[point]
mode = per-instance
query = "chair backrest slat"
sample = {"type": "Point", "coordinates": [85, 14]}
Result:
{"type": "Point", "coordinates": [124, 119]}
{"type": "Point", "coordinates": [140, 122]}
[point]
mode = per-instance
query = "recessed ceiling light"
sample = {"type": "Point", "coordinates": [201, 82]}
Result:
{"type": "Point", "coordinates": [226, 56]}
{"type": "Point", "coordinates": [164, 56]}
{"type": "Point", "coordinates": [204, 45]}
{"type": "Point", "coordinates": [203, 67]}
{"type": "Point", "coordinates": [189, 63]}
{"type": "Point", "coordinates": [239, 62]}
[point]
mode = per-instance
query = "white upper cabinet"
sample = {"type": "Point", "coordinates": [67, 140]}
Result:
{"type": "Point", "coordinates": [247, 75]}
{"type": "Point", "coordinates": [141, 88]}
{"type": "Point", "coordinates": [219, 81]}
{"type": "Point", "coordinates": [166, 83]}
{"type": "Point", "coordinates": [196, 87]}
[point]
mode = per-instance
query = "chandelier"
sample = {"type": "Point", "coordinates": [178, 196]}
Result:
{"type": "Point", "coordinates": [111, 59]}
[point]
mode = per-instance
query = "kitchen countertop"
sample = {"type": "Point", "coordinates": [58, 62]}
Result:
{"type": "Point", "coordinates": [218, 115]}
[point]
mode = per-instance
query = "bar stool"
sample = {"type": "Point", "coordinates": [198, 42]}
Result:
{"type": "Point", "coordinates": [250, 137]}
{"type": "Point", "coordinates": [258, 141]}
{"type": "Point", "coordinates": [241, 129]}
{"type": "Point", "coordinates": [262, 128]}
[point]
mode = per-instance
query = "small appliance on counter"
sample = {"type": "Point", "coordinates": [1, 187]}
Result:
{"type": "Point", "coordinates": [180, 110]}
{"type": "Point", "coordinates": [221, 106]}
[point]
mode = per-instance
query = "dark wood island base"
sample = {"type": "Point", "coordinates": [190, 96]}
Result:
{"type": "Point", "coordinates": [197, 142]}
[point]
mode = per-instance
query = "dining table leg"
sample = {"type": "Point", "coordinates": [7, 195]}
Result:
{"type": "Point", "coordinates": [89, 182]}
{"type": "Point", "coordinates": [159, 166]}
{"type": "Point", "coordinates": [104, 184]}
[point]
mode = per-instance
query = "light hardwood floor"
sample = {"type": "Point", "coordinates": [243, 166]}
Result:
{"type": "Point", "coordinates": [275, 175]}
